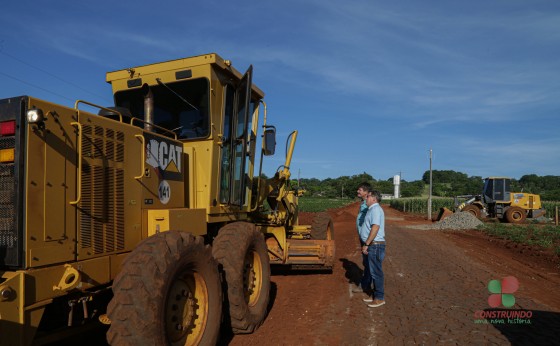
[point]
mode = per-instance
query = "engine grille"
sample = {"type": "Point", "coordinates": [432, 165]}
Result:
{"type": "Point", "coordinates": [8, 237]}
{"type": "Point", "coordinates": [11, 237]}
{"type": "Point", "coordinates": [101, 222]}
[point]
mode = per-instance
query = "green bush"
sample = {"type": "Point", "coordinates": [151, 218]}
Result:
{"type": "Point", "coordinates": [550, 207]}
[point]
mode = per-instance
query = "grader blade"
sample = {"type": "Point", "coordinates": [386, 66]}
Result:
{"type": "Point", "coordinates": [311, 254]}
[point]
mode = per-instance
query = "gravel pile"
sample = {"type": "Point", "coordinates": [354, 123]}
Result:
{"type": "Point", "coordinates": [458, 221]}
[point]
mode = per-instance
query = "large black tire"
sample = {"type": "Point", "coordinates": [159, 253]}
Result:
{"type": "Point", "coordinates": [515, 215]}
{"type": "Point", "coordinates": [473, 209]}
{"type": "Point", "coordinates": [167, 293]}
{"type": "Point", "coordinates": [241, 250]}
{"type": "Point", "coordinates": [322, 227]}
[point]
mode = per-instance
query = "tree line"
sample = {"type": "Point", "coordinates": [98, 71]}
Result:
{"type": "Point", "coordinates": [445, 183]}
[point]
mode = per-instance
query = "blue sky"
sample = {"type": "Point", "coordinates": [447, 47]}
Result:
{"type": "Point", "coordinates": [370, 85]}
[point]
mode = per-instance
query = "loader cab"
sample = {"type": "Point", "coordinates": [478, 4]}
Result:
{"type": "Point", "coordinates": [496, 189]}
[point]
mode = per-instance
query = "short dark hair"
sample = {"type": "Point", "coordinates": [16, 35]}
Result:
{"type": "Point", "coordinates": [365, 186]}
{"type": "Point", "coordinates": [377, 195]}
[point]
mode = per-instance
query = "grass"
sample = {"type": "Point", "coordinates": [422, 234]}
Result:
{"type": "Point", "coordinates": [546, 236]}
{"type": "Point", "coordinates": [318, 204]}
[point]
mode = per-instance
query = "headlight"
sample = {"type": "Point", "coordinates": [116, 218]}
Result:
{"type": "Point", "coordinates": [34, 116]}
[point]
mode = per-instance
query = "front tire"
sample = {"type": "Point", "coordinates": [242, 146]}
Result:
{"type": "Point", "coordinates": [472, 209]}
{"type": "Point", "coordinates": [515, 215]}
{"type": "Point", "coordinates": [322, 227]}
{"type": "Point", "coordinates": [167, 293]}
{"type": "Point", "coordinates": [241, 250]}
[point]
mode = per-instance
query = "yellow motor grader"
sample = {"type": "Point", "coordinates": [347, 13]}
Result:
{"type": "Point", "coordinates": [149, 215]}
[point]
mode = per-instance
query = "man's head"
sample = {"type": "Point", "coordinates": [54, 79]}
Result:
{"type": "Point", "coordinates": [363, 190]}
{"type": "Point", "coordinates": [373, 197]}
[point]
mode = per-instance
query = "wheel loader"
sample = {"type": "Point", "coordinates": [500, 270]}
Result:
{"type": "Point", "coordinates": [152, 214]}
{"type": "Point", "coordinates": [497, 201]}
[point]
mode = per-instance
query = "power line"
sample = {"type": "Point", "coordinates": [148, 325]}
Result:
{"type": "Point", "coordinates": [49, 74]}
{"type": "Point", "coordinates": [35, 86]}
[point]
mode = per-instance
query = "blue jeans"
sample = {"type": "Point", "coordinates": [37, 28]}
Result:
{"type": "Point", "coordinates": [366, 281]}
{"type": "Point", "coordinates": [375, 256]}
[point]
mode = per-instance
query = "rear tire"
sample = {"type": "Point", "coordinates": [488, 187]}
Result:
{"type": "Point", "coordinates": [241, 250]}
{"type": "Point", "coordinates": [167, 293]}
{"type": "Point", "coordinates": [322, 227]}
{"type": "Point", "coordinates": [473, 209]}
{"type": "Point", "coordinates": [515, 215]}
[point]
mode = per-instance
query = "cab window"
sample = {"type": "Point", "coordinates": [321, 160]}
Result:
{"type": "Point", "coordinates": [184, 109]}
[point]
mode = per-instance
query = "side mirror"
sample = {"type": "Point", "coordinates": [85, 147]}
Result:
{"type": "Point", "coordinates": [269, 141]}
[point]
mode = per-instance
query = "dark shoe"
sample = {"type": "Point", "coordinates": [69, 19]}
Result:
{"type": "Point", "coordinates": [376, 303]}
{"type": "Point", "coordinates": [368, 300]}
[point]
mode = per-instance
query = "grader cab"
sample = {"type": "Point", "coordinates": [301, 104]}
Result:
{"type": "Point", "coordinates": [154, 205]}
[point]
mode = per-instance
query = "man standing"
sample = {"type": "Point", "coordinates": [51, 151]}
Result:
{"type": "Point", "coordinates": [365, 283]}
{"type": "Point", "coordinates": [372, 234]}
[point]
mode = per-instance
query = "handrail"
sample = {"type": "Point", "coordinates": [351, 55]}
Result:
{"type": "Point", "coordinates": [143, 156]}
{"type": "Point", "coordinates": [154, 125]}
{"type": "Point", "coordinates": [97, 106]}
{"type": "Point", "coordinates": [251, 208]}
{"type": "Point", "coordinates": [79, 174]}
{"type": "Point", "coordinates": [132, 119]}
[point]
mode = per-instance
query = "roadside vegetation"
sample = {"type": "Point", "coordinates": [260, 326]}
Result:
{"type": "Point", "coordinates": [546, 236]}
{"type": "Point", "coordinates": [318, 204]}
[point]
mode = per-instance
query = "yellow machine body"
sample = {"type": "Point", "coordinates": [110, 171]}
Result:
{"type": "Point", "coordinates": [80, 190]}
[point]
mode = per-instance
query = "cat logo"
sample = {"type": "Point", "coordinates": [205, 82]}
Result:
{"type": "Point", "coordinates": [163, 155]}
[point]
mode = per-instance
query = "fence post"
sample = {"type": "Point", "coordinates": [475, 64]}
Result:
{"type": "Point", "coordinates": [556, 218]}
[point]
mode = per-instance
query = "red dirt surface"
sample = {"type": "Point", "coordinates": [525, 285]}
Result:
{"type": "Point", "coordinates": [435, 282]}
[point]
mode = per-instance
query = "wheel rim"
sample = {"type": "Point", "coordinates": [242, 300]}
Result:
{"type": "Point", "coordinates": [252, 278]}
{"type": "Point", "coordinates": [516, 215]}
{"type": "Point", "coordinates": [186, 310]}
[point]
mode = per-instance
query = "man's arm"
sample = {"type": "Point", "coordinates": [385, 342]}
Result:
{"type": "Point", "coordinates": [372, 234]}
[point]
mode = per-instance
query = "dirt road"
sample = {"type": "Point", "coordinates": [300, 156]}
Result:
{"type": "Point", "coordinates": [436, 290]}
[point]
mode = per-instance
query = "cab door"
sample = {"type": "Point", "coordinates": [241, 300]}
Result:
{"type": "Point", "coordinates": [234, 150]}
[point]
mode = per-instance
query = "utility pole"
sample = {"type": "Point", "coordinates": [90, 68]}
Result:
{"type": "Point", "coordinates": [430, 195]}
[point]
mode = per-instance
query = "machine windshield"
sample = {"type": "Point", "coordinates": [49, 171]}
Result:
{"type": "Point", "coordinates": [184, 109]}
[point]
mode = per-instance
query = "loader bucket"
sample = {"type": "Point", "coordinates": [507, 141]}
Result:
{"type": "Point", "coordinates": [443, 213]}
